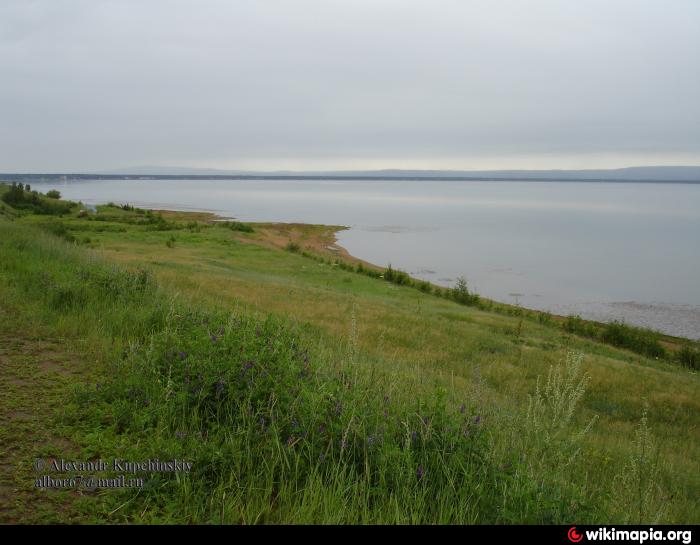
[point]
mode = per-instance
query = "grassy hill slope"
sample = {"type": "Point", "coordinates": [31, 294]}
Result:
{"type": "Point", "coordinates": [305, 392]}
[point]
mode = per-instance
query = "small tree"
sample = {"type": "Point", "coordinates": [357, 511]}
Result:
{"type": "Point", "coordinates": [53, 194]}
{"type": "Point", "coordinates": [461, 294]}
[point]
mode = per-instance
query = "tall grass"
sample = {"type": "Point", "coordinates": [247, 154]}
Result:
{"type": "Point", "coordinates": [282, 427]}
{"type": "Point", "coordinates": [689, 357]}
{"type": "Point", "coordinates": [638, 497]}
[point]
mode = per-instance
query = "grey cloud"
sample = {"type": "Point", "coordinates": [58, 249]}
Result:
{"type": "Point", "coordinates": [96, 84]}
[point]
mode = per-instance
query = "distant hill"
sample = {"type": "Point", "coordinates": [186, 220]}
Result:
{"type": "Point", "coordinates": [660, 173]}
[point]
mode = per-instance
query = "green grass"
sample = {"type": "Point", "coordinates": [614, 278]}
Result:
{"type": "Point", "coordinates": [305, 392]}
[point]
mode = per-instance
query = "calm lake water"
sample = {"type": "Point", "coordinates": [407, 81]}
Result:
{"type": "Point", "coordinates": [602, 250]}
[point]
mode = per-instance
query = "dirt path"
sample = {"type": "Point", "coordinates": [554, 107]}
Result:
{"type": "Point", "coordinates": [35, 379]}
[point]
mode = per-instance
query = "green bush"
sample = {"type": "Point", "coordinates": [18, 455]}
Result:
{"type": "Point", "coordinates": [425, 287]}
{"type": "Point", "coordinates": [156, 222]}
{"type": "Point", "coordinates": [18, 197]}
{"type": "Point", "coordinates": [236, 226]}
{"type": "Point", "coordinates": [642, 341]}
{"type": "Point", "coordinates": [397, 276]}
{"type": "Point", "coordinates": [578, 326]}
{"type": "Point", "coordinates": [461, 294]}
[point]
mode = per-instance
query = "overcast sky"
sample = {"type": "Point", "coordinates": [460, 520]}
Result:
{"type": "Point", "coordinates": [330, 84]}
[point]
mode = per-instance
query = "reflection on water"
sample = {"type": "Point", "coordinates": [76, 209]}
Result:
{"type": "Point", "coordinates": [565, 247]}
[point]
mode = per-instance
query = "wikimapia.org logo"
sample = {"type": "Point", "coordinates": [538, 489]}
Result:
{"type": "Point", "coordinates": [637, 536]}
{"type": "Point", "coordinates": [574, 536]}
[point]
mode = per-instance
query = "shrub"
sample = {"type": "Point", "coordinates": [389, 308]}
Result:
{"type": "Point", "coordinates": [293, 247]}
{"type": "Point", "coordinates": [425, 286]}
{"type": "Point", "coordinates": [461, 294]}
{"type": "Point", "coordinates": [397, 276]}
{"type": "Point", "coordinates": [156, 222]}
{"type": "Point", "coordinates": [53, 194]}
{"type": "Point", "coordinates": [642, 341]}
{"type": "Point", "coordinates": [236, 226]}
{"type": "Point", "coordinates": [578, 326]}
{"type": "Point", "coordinates": [18, 197]}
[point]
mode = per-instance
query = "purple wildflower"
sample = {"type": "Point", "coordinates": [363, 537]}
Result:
{"type": "Point", "coordinates": [386, 413]}
{"type": "Point", "coordinates": [213, 338]}
{"type": "Point", "coordinates": [463, 408]}
{"type": "Point", "coordinates": [420, 473]}
{"type": "Point", "coordinates": [414, 436]}
{"type": "Point", "coordinates": [321, 457]}
{"type": "Point", "coordinates": [183, 355]}
{"type": "Point", "coordinates": [180, 434]}
{"type": "Point", "coordinates": [477, 420]}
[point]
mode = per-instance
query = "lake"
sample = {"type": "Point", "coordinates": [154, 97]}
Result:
{"type": "Point", "coordinates": [605, 251]}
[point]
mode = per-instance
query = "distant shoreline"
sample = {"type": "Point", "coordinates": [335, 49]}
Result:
{"type": "Point", "coordinates": [30, 177]}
